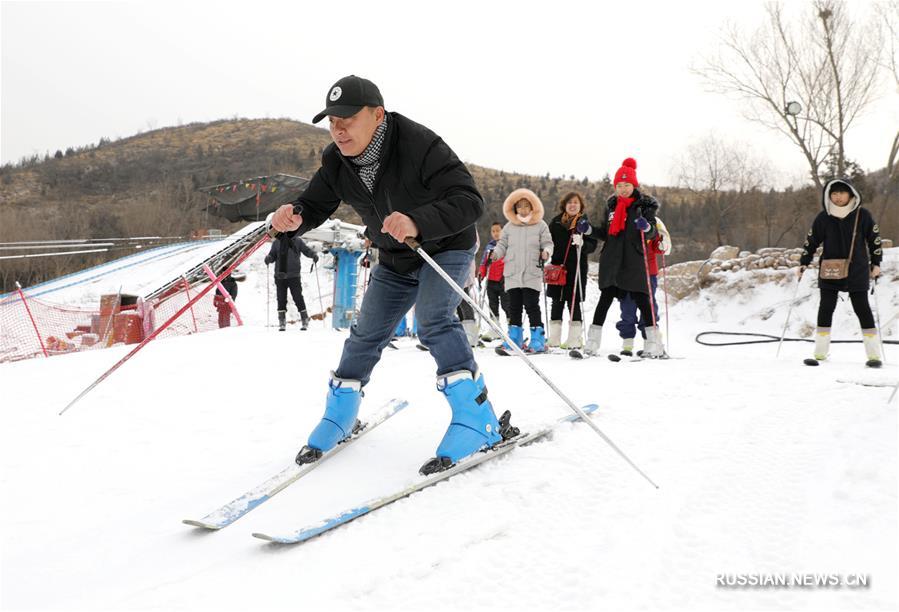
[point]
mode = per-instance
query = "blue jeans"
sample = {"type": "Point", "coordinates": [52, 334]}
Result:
{"type": "Point", "coordinates": [628, 325]}
{"type": "Point", "coordinates": [390, 296]}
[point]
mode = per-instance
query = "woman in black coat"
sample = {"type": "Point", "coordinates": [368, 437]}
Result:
{"type": "Point", "coordinates": [847, 231]}
{"type": "Point", "coordinates": [570, 230]}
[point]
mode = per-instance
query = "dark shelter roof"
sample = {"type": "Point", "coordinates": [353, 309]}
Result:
{"type": "Point", "coordinates": [254, 198]}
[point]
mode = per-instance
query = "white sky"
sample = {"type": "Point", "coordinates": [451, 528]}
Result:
{"type": "Point", "coordinates": [536, 87]}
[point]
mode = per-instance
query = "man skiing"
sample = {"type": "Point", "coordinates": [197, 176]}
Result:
{"type": "Point", "coordinates": [404, 182]}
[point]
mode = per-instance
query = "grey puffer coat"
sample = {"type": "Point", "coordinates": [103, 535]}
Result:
{"type": "Point", "coordinates": [521, 243]}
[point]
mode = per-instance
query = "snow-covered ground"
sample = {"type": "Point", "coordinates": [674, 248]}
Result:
{"type": "Point", "coordinates": [766, 467]}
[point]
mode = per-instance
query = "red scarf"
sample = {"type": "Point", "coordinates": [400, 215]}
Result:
{"type": "Point", "coordinates": [619, 219]}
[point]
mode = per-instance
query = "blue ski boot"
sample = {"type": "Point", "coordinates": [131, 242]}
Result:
{"type": "Point", "coordinates": [474, 424]}
{"type": "Point", "coordinates": [516, 333]}
{"type": "Point", "coordinates": [537, 343]}
{"type": "Point", "coordinates": [339, 421]}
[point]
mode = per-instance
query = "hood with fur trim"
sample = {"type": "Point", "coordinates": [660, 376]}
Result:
{"type": "Point", "coordinates": [531, 197]}
{"type": "Point", "coordinates": [840, 211]}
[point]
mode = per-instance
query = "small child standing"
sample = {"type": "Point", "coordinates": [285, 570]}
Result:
{"type": "Point", "coordinates": [492, 273]}
{"type": "Point", "coordinates": [844, 265]}
{"type": "Point", "coordinates": [525, 243]}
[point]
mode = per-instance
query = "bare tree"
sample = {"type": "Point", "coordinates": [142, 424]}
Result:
{"type": "Point", "coordinates": [827, 63]}
{"type": "Point", "coordinates": [713, 166]}
{"type": "Point", "coordinates": [888, 14]}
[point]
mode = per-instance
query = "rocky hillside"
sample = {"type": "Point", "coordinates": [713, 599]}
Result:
{"type": "Point", "coordinates": [146, 185]}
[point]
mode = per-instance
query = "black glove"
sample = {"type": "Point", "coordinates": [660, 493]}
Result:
{"type": "Point", "coordinates": [315, 258]}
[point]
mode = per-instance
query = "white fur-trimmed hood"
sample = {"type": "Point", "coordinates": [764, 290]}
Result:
{"type": "Point", "coordinates": [528, 195]}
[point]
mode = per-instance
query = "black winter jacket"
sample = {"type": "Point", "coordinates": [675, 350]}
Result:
{"type": "Point", "coordinates": [836, 236]}
{"type": "Point", "coordinates": [287, 261]}
{"type": "Point", "coordinates": [419, 176]}
{"type": "Point", "coordinates": [561, 235]}
{"type": "Point", "coordinates": [621, 262]}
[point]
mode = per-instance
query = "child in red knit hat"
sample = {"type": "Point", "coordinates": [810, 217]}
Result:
{"type": "Point", "coordinates": [628, 223]}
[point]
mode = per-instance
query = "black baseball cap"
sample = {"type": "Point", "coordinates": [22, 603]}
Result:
{"type": "Point", "coordinates": [347, 96]}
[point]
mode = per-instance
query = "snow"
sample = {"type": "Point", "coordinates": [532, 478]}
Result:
{"type": "Point", "coordinates": [765, 466]}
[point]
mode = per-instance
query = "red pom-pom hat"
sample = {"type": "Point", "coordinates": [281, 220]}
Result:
{"type": "Point", "coordinates": [627, 173]}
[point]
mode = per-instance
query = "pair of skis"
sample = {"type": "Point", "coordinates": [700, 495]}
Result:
{"type": "Point", "coordinates": [263, 492]}
{"type": "Point", "coordinates": [239, 507]}
{"type": "Point", "coordinates": [580, 354]}
{"type": "Point", "coordinates": [504, 352]}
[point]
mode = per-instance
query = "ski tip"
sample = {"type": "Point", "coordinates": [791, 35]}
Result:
{"type": "Point", "coordinates": [200, 524]}
{"type": "Point", "coordinates": [399, 404]}
{"type": "Point", "coordinates": [810, 362]}
{"type": "Point", "coordinates": [590, 408]}
{"type": "Point", "coordinates": [575, 354]}
{"type": "Point", "coordinates": [614, 358]}
{"type": "Point", "coordinates": [264, 536]}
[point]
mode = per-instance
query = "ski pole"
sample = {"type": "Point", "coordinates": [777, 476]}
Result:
{"type": "Point", "coordinates": [652, 308]}
{"type": "Point", "coordinates": [367, 268]}
{"type": "Point", "coordinates": [883, 355]}
{"type": "Point", "coordinates": [545, 298]}
{"type": "Point", "coordinates": [789, 312]}
{"type": "Point", "coordinates": [577, 275]}
{"type": "Point", "coordinates": [665, 291]}
{"type": "Point", "coordinates": [578, 294]}
{"type": "Point", "coordinates": [482, 292]}
{"type": "Point", "coordinates": [165, 325]}
{"type": "Point", "coordinates": [321, 304]}
{"type": "Point", "coordinates": [268, 296]}
{"type": "Point", "coordinates": [415, 246]}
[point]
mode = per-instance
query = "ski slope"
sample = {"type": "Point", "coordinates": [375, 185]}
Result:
{"type": "Point", "coordinates": [136, 274]}
{"type": "Point", "coordinates": [765, 466]}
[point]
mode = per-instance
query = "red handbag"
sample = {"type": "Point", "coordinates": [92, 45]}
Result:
{"type": "Point", "coordinates": [557, 274]}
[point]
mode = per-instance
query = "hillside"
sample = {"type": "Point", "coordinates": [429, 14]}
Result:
{"type": "Point", "coordinates": [146, 185]}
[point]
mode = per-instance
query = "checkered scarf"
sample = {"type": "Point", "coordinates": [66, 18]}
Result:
{"type": "Point", "coordinates": [368, 162]}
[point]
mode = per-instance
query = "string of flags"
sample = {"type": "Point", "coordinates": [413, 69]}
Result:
{"type": "Point", "coordinates": [262, 187]}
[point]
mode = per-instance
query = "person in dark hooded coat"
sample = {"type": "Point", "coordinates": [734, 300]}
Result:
{"type": "Point", "coordinates": [846, 231]}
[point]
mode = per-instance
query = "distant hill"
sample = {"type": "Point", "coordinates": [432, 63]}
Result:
{"type": "Point", "coordinates": [147, 185]}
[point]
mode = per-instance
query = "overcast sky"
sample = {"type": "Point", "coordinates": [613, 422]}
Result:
{"type": "Point", "coordinates": [535, 87]}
